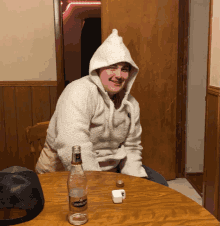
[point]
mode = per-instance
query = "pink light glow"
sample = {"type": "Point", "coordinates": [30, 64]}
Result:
{"type": "Point", "coordinates": [70, 7]}
{"type": "Point", "coordinates": [82, 3]}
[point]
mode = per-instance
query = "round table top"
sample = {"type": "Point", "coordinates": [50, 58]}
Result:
{"type": "Point", "coordinates": [146, 203]}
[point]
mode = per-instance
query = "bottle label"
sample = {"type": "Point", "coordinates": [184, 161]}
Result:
{"type": "Point", "coordinates": [78, 158]}
{"type": "Point", "coordinates": [78, 204]}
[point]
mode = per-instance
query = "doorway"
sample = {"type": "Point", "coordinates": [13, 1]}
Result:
{"type": "Point", "coordinates": [90, 41]}
{"type": "Point", "coordinates": [89, 47]}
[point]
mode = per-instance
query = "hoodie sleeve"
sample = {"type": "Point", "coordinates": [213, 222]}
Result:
{"type": "Point", "coordinates": [74, 113]}
{"type": "Point", "coordinates": [132, 164]}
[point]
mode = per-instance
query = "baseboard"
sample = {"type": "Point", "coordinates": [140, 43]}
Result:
{"type": "Point", "coordinates": [196, 180]}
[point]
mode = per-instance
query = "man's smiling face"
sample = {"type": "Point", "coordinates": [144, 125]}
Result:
{"type": "Point", "coordinates": [114, 77]}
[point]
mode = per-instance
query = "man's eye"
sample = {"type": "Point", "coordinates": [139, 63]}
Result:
{"type": "Point", "coordinates": [124, 69]}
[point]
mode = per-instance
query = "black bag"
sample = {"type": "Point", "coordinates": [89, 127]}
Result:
{"type": "Point", "coordinates": [21, 188]}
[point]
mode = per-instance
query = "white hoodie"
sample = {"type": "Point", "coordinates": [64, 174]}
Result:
{"type": "Point", "coordinates": [86, 116]}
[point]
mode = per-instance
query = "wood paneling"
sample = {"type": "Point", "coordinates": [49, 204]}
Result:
{"type": "Point", "coordinates": [58, 27]}
{"type": "Point", "coordinates": [53, 99]}
{"type": "Point", "coordinates": [196, 180]}
{"type": "Point", "coordinates": [24, 119]}
{"type": "Point", "coordinates": [3, 150]}
{"type": "Point", "coordinates": [211, 183]}
{"type": "Point", "coordinates": [22, 105]}
{"type": "Point", "coordinates": [40, 104]}
{"type": "Point", "coordinates": [9, 98]}
{"type": "Point", "coordinates": [28, 83]}
{"type": "Point", "coordinates": [211, 178]}
{"type": "Point", "coordinates": [183, 52]}
{"type": "Point", "coordinates": [150, 32]}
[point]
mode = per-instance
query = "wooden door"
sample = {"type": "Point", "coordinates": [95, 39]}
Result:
{"type": "Point", "coordinates": [150, 31]}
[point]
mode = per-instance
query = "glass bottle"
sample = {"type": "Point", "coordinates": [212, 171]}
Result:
{"type": "Point", "coordinates": [77, 190]}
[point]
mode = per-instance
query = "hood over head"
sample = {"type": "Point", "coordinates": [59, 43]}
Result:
{"type": "Point", "coordinates": [113, 51]}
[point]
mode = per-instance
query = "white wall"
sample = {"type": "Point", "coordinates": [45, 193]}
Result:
{"type": "Point", "coordinates": [197, 76]}
{"type": "Point", "coordinates": [27, 41]}
{"type": "Point", "coordinates": [215, 46]}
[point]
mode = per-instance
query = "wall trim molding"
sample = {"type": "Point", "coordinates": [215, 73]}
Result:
{"type": "Point", "coordinates": [196, 180]}
{"type": "Point", "coordinates": [213, 90]}
{"type": "Point", "coordinates": [28, 83]}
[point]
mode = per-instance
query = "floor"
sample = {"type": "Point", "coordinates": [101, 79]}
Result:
{"type": "Point", "coordinates": [183, 186]}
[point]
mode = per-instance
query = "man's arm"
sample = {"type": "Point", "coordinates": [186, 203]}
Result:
{"type": "Point", "coordinates": [132, 164]}
{"type": "Point", "coordinates": [74, 112]}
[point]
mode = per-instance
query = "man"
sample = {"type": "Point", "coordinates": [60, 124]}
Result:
{"type": "Point", "coordinates": [98, 113]}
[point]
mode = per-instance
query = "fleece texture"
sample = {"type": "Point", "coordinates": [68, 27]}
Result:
{"type": "Point", "coordinates": [86, 116]}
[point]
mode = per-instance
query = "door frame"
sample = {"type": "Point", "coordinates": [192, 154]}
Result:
{"type": "Point", "coordinates": [183, 50]}
{"type": "Point", "coordinates": [59, 45]}
{"type": "Point", "coordinates": [182, 67]}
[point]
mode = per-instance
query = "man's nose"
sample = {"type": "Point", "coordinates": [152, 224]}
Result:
{"type": "Point", "coordinates": [118, 73]}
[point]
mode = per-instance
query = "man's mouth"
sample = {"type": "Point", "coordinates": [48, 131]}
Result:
{"type": "Point", "coordinates": [117, 83]}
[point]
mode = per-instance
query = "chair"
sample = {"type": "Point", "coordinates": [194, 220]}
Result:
{"type": "Point", "coordinates": [36, 136]}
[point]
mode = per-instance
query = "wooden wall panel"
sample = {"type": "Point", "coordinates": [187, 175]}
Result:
{"type": "Point", "coordinates": [22, 104]}
{"type": "Point", "coordinates": [211, 177]}
{"type": "Point", "coordinates": [53, 99]}
{"type": "Point", "coordinates": [211, 180]}
{"type": "Point", "coordinates": [24, 119]}
{"type": "Point", "coordinates": [58, 27]}
{"type": "Point", "coordinates": [183, 52]}
{"type": "Point", "coordinates": [40, 104]}
{"type": "Point", "coordinates": [3, 150]}
{"type": "Point", "coordinates": [11, 125]}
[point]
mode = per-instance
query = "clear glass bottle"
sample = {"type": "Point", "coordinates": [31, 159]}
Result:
{"type": "Point", "coordinates": [77, 190]}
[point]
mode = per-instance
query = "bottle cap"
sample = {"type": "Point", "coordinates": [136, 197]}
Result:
{"type": "Point", "coordinates": [120, 183]}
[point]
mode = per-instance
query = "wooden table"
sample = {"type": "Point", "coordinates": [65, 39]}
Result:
{"type": "Point", "coordinates": [147, 203]}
